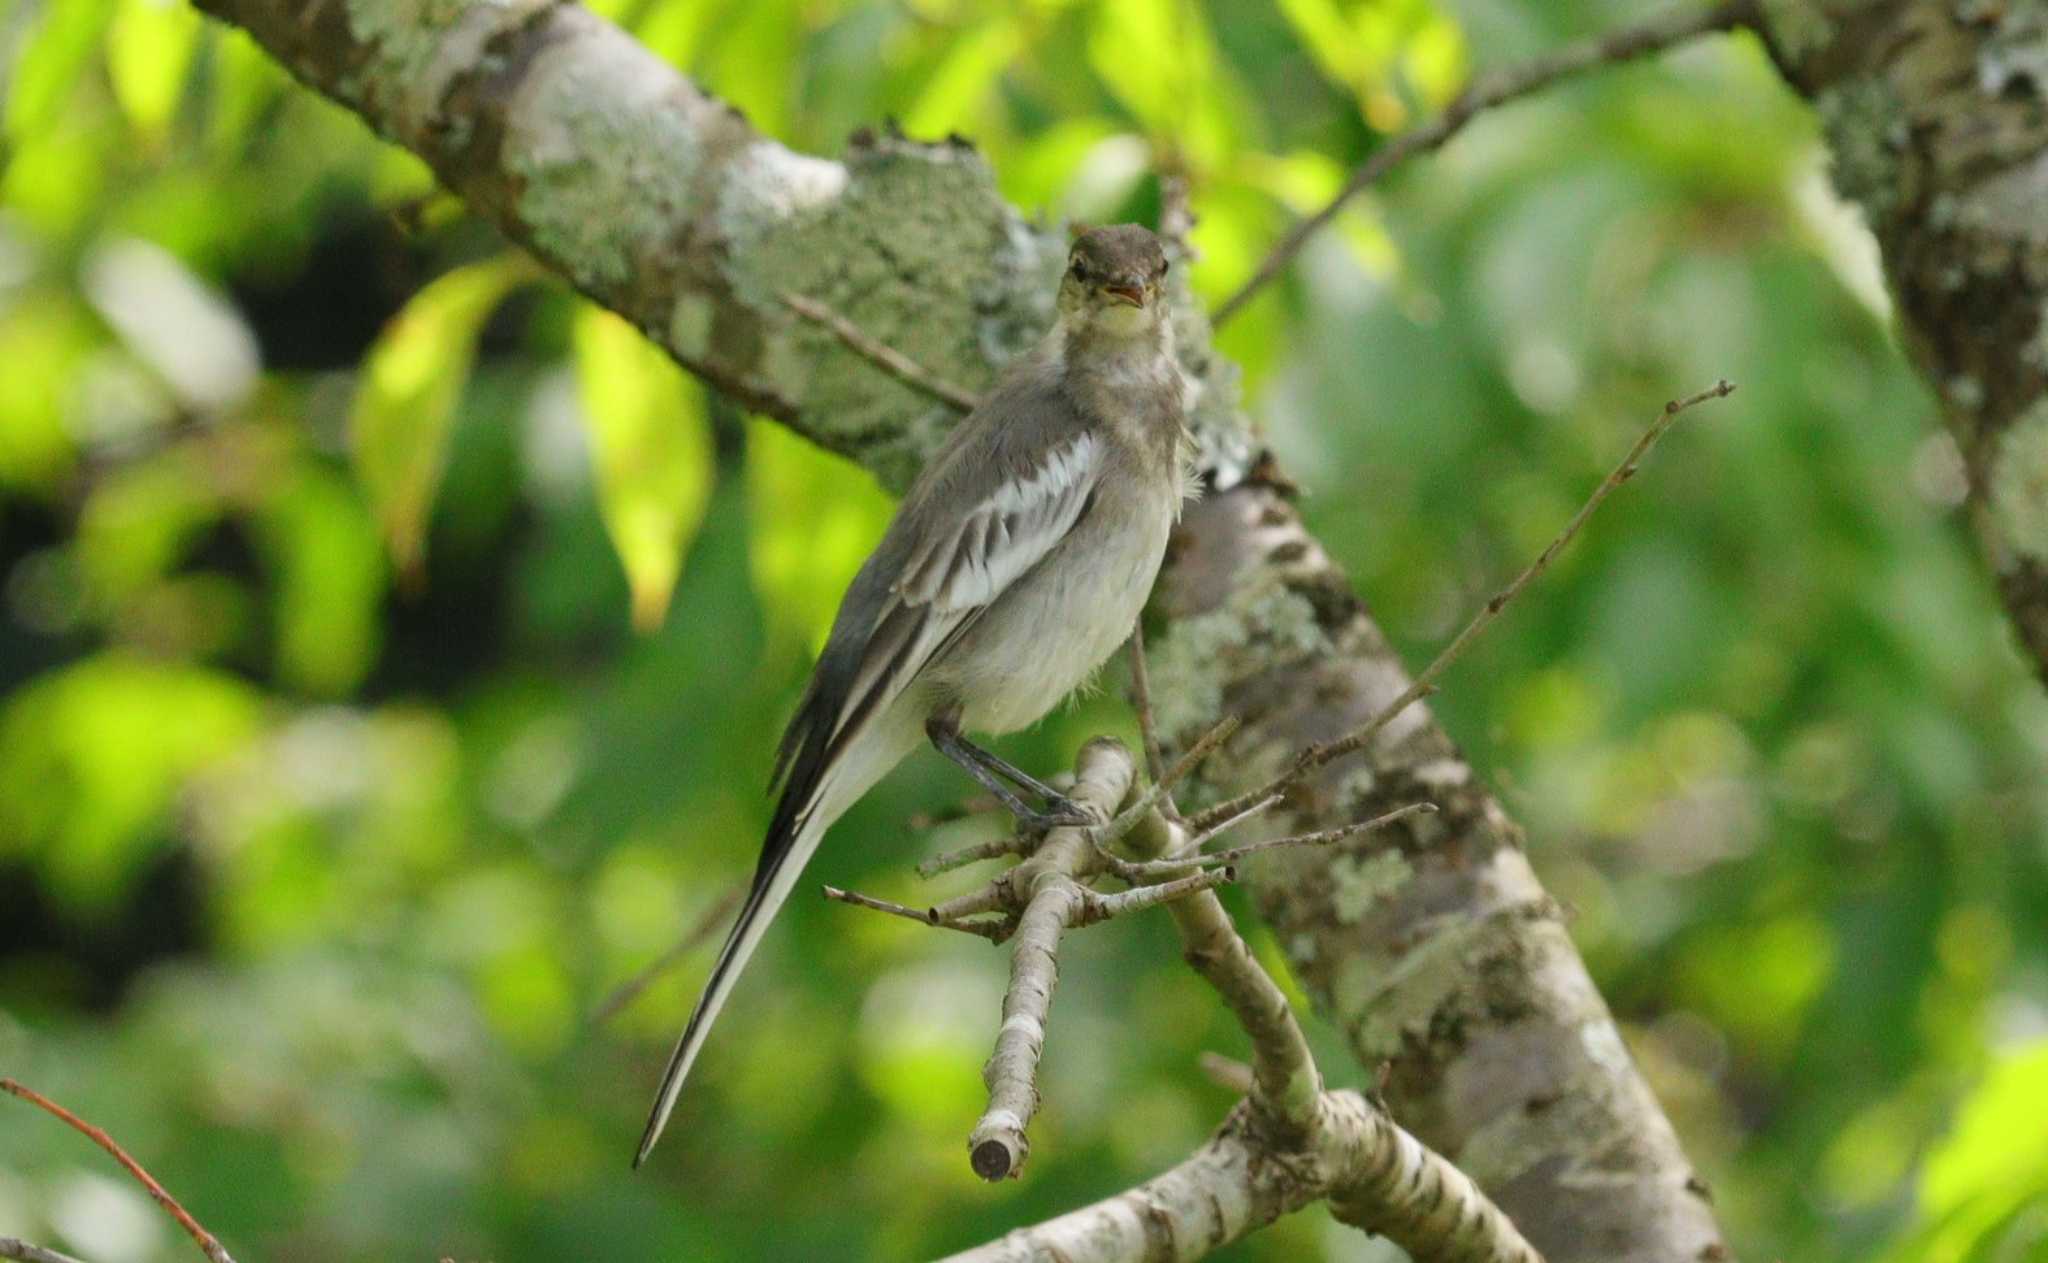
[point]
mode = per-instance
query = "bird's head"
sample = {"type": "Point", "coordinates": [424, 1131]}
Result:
{"type": "Point", "coordinates": [1113, 281]}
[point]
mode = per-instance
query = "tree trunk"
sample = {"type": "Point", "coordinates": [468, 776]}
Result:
{"type": "Point", "coordinates": [1936, 112]}
{"type": "Point", "coordinates": [1437, 952]}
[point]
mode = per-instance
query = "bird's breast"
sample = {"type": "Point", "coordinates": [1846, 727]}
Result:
{"type": "Point", "coordinates": [1054, 628]}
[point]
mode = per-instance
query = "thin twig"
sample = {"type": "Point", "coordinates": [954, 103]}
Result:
{"type": "Point", "coordinates": [1157, 792]}
{"type": "Point", "coordinates": [1317, 756]}
{"type": "Point", "coordinates": [994, 930]}
{"type": "Point", "coordinates": [698, 933]}
{"type": "Point", "coordinates": [28, 1252]}
{"type": "Point", "coordinates": [1483, 94]}
{"type": "Point", "coordinates": [208, 1243]}
{"type": "Point", "coordinates": [1323, 837]}
{"type": "Point", "coordinates": [996, 896]}
{"type": "Point", "coordinates": [1141, 701]}
{"type": "Point", "coordinates": [881, 355]}
{"type": "Point", "coordinates": [1096, 907]}
{"type": "Point", "coordinates": [1225, 825]}
{"type": "Point", "coordinates": [1176, 213]}
{"type": "Point", "coordinates": [1227, 1073]}
{"type": "Point", "coordinates": [994, 848]}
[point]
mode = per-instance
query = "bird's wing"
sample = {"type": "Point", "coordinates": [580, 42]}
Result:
{"type": "Point", "coordinates": [955, 571]}
{"type": "Point", "coordinates": [948, 568]}
{"type": "Point", "coordinates": [1007, 533]}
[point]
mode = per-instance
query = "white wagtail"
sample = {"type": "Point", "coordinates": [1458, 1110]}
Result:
{"type": "Point", "coordinates": [1016, 564]}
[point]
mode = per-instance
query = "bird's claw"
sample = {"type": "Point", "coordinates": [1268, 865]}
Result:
{"type": "Point", "coordinates": [1059, 813]}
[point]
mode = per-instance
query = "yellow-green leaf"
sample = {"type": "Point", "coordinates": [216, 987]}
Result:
{"type": "Point", "coordinates": [149, 50]}
{"type": "Point", "coordinates": [406, 397]}
{"type": "Point", "coordinates": [814, 518]}
{"type": "Point", "coordinates": [651, 445]}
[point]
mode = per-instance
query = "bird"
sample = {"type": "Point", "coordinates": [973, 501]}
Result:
{"type": "Point", "coordinates": [1015, 565]}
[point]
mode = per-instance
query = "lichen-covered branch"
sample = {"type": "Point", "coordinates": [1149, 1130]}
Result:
{"type": "Point", "coordinates": [1936, 112]}
{"type": "Point", "coordinates": [1431, 943]}
{"type": "Point", "coordinates": [1287, 1144]}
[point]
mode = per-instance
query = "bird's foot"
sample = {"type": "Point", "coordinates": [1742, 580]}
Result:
{"type": "Point", "coordinates": [1061, 812]}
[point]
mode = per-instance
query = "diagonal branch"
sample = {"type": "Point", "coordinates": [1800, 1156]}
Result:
{"type": "Point", "coordinates": [207, 1242]}
{"type": "Point", "coordinates": [1490, 91]}
{"type": "Point", "coordinates": [1288, 1144]}
{"type": "Point", "coordinates": [881, 354]}
{"type": "Point", "coordinates": [1323, 754]}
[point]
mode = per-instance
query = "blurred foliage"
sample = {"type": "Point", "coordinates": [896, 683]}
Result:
{"type": "Point", "coordinates": [315, 854]}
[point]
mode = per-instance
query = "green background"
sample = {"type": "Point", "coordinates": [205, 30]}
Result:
{"type": "Point", "coordinates": [337, 787]}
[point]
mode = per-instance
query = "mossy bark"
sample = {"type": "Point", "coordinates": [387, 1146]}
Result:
{"type": "Point", "coordinates": [1936, 113]}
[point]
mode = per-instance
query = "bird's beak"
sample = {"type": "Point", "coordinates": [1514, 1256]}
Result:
{"type": "Point", "coordinates": [1132, 295]}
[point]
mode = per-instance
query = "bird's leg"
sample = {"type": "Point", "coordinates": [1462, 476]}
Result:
{"type": "Point", "coordinates": [991, 771]}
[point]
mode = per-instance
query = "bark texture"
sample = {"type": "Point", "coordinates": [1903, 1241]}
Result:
{"type": "Point", "coordinates": [1437, 951]}
{"type": "Point", "coordinates": [1936, 112]}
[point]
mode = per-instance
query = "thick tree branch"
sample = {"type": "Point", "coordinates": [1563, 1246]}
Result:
{"type": "Point", "coordinates": [1434, 947]}
{"type": "Point", "coordinates": [1937, 116]}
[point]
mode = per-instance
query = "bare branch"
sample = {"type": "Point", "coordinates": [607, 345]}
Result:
{"type": "Point", "coordinates": [16, 1248]}
{"type": "Point", "coordinates": [1102, 907]}
{"type": "Point", "coordinates": [997, 1146]}
{"type": "Point", "coordinates": [994, 848]}
{"type": "Point", "coordinates": [1322, 837]}
{"type": "Point", "coordinates": [1141, 702]}
{"type": "Point", "coordinates": [994, 929]}
{"type": "Point", "coordinates": [1227, 1073]}
{"type": "Point", "coordinates": [207, 1242]}
{"type": "Point", "coordinates": [1485, 93]}
{"type": "Point", "coordinates": [881, 355]}
{"type": "Point", "coordinates": [1158, 792]}
{"type": "Point", "coordinates": [1321, 755]}
{"type": "Point", "coordinates": [693, 938]}
{"type": "Point", "coordinates": [1233, 1186]}
{"type": "Point", "coordinates": [1288, 1144]}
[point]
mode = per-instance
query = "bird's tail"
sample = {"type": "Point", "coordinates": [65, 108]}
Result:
{"type": "Point", "coordinates": [801, 819]}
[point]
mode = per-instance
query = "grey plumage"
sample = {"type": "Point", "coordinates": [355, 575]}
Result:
{"type": "Point", "coordinates": [1015, 565]}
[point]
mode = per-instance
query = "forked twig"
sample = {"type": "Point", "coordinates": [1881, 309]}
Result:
{"type": "Point", "coordinates": [881, 354]}
{"type": "Point", "coordinates": [1320, 755]}
{"type": "Point", "coordinates": [1485, 93]}
{"type": "Point", "coordinates": [1322, 837]}
{"type": "Point", "coordinates": [995, 930]}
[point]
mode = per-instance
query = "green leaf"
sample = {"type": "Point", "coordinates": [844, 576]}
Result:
{"type": "Point", "coordinates": [149, 50]}
{"type": "Point", "coordinates": [651, 446]}
{"type": "Point", "coordinates": [51, 61]}
{"type": "Point", "coordinates": [94, 756]}
{"type": "Point", "coordinates": [410, 383]}
{"type": "Point", "coordinates": [330, 580]}
{"type": "Point", "coordinates": [964, 77]}
{"type": "Point", "coordinates": [802, 561]}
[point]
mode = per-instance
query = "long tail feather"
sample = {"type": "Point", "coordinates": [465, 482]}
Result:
{"type": "Point", "coordinates": [771, 889]}
{"type": "Point", "coordinates": [814, 798]}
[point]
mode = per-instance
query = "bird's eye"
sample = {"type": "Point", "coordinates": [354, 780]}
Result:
{"type": "Point", "coordinates": [1163, 265]}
